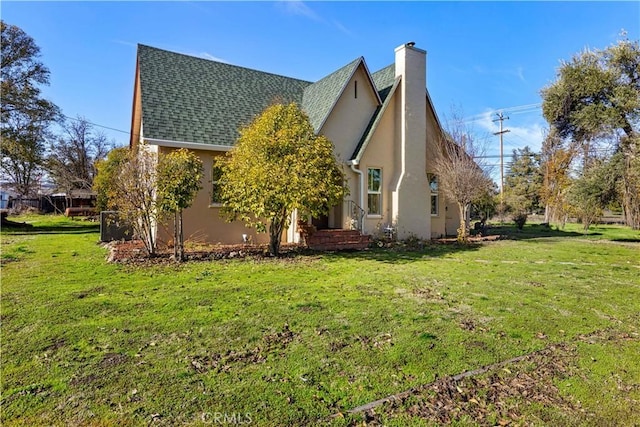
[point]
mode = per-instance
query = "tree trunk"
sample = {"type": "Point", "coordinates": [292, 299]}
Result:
{"type": "Point", "coordinates": [630, 184]}
{"type": "Point", "coordinates": [463, 231]}
{"type": "Point", "coordinates": [176, 236]}
{"type": "Point", "coordinates": [180, 237]}
{"type": "Point", "coordinates": [547, 213]}
{"type": "Point", "coordinates": [275, 234]}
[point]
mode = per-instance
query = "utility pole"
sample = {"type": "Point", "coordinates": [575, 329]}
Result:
{"type": "Point", "coordinates": [501, 118]}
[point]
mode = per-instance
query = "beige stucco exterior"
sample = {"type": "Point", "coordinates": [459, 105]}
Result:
{"type": "Point", "coordinates": [202, 221]}
{"type": "Point", "coordinates": [401, 144]}
{"type": "Point", "coordinates": [349, 117]}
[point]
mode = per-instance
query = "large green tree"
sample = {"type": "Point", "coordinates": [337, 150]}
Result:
{"type": "Point", "coordinates": [593, 191]}
{"type": "Point", "coordinates": [279, 164]}
{"type": "Point", "coordinates": [25, 114]}
{"type": "Point", "coordinates": [523, 181]}
{"type": "Point", "coordinates": [596, 99]}
{"type": "Point", "coordinates": [179, 176]}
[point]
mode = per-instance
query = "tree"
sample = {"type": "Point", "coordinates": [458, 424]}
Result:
{"type": "Point", "coordinates": [25, 114]}
{"type": "Point", "coordinates": [460, 174]}
{"type": "Point", "coordinates": [523, 182]}
{"type": "Point", "coordinates": [595, 100]}
{"type": "Point", "coordinates": [135, 195]}
{"type": "Point", "coordinates": [72, 159]}
{"type": "Point", "coordinates": [104, 183]}
{"type": "Point", "coordinates": [555, 162]}
{"type": "Point", "coordinates": [179, 175]}
{"type": "Point", "coordinates": [593, 191]}
{"type": "Point", "coordinates": [279, 164]}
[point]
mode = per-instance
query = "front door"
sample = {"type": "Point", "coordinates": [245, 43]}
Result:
{"type": "Point", "coordinates": [321, 223]}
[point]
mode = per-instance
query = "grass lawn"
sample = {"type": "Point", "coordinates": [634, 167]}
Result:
{"type": "Point", "coordinates": [293, 341]}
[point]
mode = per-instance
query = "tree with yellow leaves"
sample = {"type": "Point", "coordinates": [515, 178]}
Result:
{"type": "Point", "coordinates": [278, 165]}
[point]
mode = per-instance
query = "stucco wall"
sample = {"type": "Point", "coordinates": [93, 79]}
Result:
{"type": "Point", "coordinates": [344, 127]}
{"type": "Point", "coordinates": [348, 120]}
{"type": "Point", "coordinates": [202, 222]}
{"type": "Point", "coordinates": [381, 153]}
{"type": "Point", "coordinates": [448, 218]}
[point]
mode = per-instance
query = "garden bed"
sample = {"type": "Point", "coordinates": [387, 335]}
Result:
{"type": "Point", "coordinates": [134, 252]}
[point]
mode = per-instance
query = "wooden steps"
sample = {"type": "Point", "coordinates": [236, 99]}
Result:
{"type": "Point", "coordinates": [338, 240]}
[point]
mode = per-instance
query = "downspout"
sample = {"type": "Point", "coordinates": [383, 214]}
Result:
{"type": "Point", "coordinates": [353, 164]}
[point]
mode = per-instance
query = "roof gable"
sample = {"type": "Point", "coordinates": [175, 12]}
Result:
{"type": "Point", "coordinates": [190, 99]}
{"type": "Point", "coordinates": [320, 97]}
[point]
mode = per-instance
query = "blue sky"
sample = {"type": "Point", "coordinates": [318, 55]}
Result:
{"type": "Point", "coordinates": [482, 56]}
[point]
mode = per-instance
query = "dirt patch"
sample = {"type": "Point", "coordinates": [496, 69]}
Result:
{"type": "Point", "coordinates": [223, 362]}
{"type": "Point", "coordinates": [113, 359]}
{"type": "Point", "coordinates": [88, 292]}
{"type": "Point", "coordinates": [55, 344]}
{"type": "Point", "coordinates": [82, 381]}
{"type": "Point", "coordinates": [472, 239]}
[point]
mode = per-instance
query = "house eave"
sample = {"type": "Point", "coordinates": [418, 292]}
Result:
{"type": "Point", "coordinates": [186, 144]}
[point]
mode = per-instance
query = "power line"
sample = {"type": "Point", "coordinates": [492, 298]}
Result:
{"type": "Point", "coordinates": [519, 109]}
{"type": "Point", "coordinates": [97, 125]}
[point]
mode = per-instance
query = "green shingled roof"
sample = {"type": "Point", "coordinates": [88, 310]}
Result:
{"type": "Point", "coordinates": [320, 97]}
{"type": "Point", "coordinates": [384, 79]}
{"type": "Point", "coordinates": [190, 99]}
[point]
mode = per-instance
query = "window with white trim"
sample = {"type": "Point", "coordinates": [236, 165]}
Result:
{"type": "Point", "coordinates": [435, 198]}
{"type": "Point", "coordinates": [374, 191]}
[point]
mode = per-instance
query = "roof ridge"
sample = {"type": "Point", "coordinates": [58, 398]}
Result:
{"type": "Point", "coordinates": [350, 64]}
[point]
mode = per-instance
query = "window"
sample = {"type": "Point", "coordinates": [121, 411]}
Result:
{"type": "Point", "coordinates": [355, 89]}
{"type": "Point", "coordinates": [374, 191]}
{"type": "Point", "coordinates": [433, 188]}
{"type": "Point", "coordinates": [216, 174]}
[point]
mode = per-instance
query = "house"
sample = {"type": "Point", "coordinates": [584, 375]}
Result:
{"type": "Point", "coordinates": [383, 126]}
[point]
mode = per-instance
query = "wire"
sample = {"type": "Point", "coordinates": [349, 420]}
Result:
{"type": "Point", "coordinates": [97, 125]}
{"type": "Point", "coordinates": [518, 109]}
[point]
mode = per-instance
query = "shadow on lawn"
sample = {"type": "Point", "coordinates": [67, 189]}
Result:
{"type": "Point", "coordinates": [75, 227]}
{"type": "Point", "coordinates": [533, 231]}
{"type": "Point", "coordinates": [406, 254]}
{"type": "Point", "coordinates": [626, 240]}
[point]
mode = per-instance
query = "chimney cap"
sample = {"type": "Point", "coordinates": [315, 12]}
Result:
{"type": "Point", "coordinates": [411, 44]}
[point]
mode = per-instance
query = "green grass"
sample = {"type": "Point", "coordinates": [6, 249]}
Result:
{"type": "Point", "coordinates": [294, 340]}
